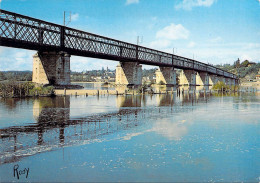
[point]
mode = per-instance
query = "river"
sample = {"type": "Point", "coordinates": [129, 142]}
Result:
{"type": "Point", "coordinates": [191, 138]}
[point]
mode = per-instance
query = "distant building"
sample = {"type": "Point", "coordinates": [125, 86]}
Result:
{"type": "Point", "coordinates": [237, 63]}
{"type": "Point", "coordinates": [250, 64]}
{"type": "Point", "coordinates": [257, 77]}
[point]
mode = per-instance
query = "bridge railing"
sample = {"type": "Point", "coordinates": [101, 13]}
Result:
{"type": "Point", "coordinates": [27, 29]}
{"type": "Point", "coordinates": [83, 41]}
{"type": "Point", "coordinates": [25, 32]}
{"type": "Point", "coordinates": [211, 69]}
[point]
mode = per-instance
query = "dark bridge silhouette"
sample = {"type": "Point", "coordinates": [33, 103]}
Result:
{"type": "Point", "coordinates": [25, 32]}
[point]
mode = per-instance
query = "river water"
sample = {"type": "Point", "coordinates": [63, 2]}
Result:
{"type": "Point", "coordinates": [191, 138]}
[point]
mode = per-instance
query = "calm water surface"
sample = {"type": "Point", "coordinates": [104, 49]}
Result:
{"type": "Point", "coordinates": [94, 86]}
{"type": "Point", "coordinates": [131, 138]}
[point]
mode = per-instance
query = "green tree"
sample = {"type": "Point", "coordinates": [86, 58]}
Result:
{"type": "Point", "coordinates": [245, 63]}
{"type": "Point", "coordinates": [220, 86]}
{"type": "Point", "coordinates": [2, 76]}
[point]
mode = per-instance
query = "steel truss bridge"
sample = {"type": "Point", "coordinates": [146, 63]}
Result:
{"type": "Point", "coordinates": [25, 32]}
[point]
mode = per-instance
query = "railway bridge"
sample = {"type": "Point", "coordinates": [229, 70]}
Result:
{"type": "Point", "coordinates": [56, 43]}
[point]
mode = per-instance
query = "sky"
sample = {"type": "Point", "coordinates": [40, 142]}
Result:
{"type": "Point", "coordinates": [211, 31]}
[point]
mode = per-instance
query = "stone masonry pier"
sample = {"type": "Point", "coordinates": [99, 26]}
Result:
{"type": "Point", "coordinates": [202, 79]}
{"type": "Point", "coordinates": [188, 77]}
{"type": "Point", "coordinates": [51, 68]}
{"type": "Point", "coordinates": [129, 74]}
{"type": "Point", "coordinates": [222, 79]}
{"type": "Point", "coordinates": [213, 79]}
{"type": "Point", "coordinates": [167, 75]}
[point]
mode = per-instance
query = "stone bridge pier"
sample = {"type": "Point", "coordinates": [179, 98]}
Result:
{"type": "Point", "coordinates": [222, 79]}
{"type": "Point", "coordinates": [213, 79]}
{"type": "Point", "coordinates": [129, 74]}
{"type": "Point", "coordinates": [51, 68]}
{"type": "Point", "coordinates": [235, 82]}
{"type": "Point", "coordinates": [228, 81]}
{"type": "Point", "coordinates": [166, 75]}
{"type": "Point", "coordinates": [202, 79]}
{"type": "Point", "coordinates": [188, 77]}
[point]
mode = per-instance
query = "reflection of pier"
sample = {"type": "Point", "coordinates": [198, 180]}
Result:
{"type": "Point", "coordinates": [51, 112]}
{"type": "Point", "coordinates": [165, 100]}
{"type": "Point", "coordinates": [192, 98]}
{"type": "Point", "coordinates": [129, 101]}
{"type": "Point", "coordinates": [10, 103]}
{"type": "Point", "coordinates": [55, 128]}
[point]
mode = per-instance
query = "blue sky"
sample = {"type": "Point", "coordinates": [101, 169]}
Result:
{"type": "Point", "coordinates": [212, 31]}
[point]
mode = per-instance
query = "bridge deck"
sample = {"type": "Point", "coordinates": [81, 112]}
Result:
{"type": "Point", "coordinates": [25, 32]}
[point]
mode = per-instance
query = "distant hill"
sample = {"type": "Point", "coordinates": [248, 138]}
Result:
{"type": "Point", "coordinates": [246, 70]}
{"type": "Point", "coordinates": [16, 75]}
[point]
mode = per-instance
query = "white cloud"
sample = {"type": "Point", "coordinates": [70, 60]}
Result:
{"type": "Point", "coordinates": [216, 40]}
{"type": "Point", "coordinates": [161, 43]}
{"type": "Point", "coordinates": [84, 63]}
{"type": "Point", "coordinates": [152, 23]}
{"type": "Point", "coordinates": [245, 57]}
{"type": "Point", "coordinates": [15, 59]}
{"type": "Point", "coordinates": [189, 4]}
{"type": "Point", "coordinates": [252, 46]}
{"type": "Point", "coordinates": [210, 53]}
{"type": "Point", "coordinates": [171, 130]}
{"type": "Point", "coordinates": [191, 44]}
{"type": "Point", "coordinates": [132, 2]}
{"type": "Point", "coordinates": [20, 60]}
{"type": "Point", "coordinates": [173, 32]}
{"type": "Point", "coordinates": [130, 135]}
{"type": "Point", "coordinates": [165, 37]}
{"type": "Point", "coordinates": [74, 17]}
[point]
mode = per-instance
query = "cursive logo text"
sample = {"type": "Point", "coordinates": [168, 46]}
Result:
{"type": "Point", "coordinates": [20, 172]}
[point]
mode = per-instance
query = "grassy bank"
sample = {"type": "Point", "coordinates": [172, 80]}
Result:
{"type": "Point", "coordinates": [26, 89]}
{"type": "Point", "coordinates": [221, 86]}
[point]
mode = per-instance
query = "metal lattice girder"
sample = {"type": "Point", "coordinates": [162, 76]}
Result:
{"type": "Point", "coordinates": [21, 31]}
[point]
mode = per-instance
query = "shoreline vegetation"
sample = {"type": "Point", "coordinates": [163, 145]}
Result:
{"type": "Point", "coordinates": [222, 87]}
{"type": "Point", "coordinates": [15, 89]}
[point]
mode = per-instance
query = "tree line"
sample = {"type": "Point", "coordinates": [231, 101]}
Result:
{"type": "Point", "coordinates": [245, 69]}
{"type": "Point", "coordinates": [16, 75]}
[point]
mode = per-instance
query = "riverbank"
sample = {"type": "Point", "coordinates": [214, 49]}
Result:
{"type": "Point", "coordinates": [251, 84]}
{"type": "Point", "coordinates": [28, 89]}
{"type": "Point", "coordinates": [87, 92]}
{"type": "Point", "coordinates": [14, 89]}
{"type": "Point", "coordinates": [76, 92]}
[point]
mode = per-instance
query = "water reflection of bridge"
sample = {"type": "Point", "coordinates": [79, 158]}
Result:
{"type": "Point", "coordinates": [54, 128]}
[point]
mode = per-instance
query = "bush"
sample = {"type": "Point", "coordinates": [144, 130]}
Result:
{"type": "Point", "coordinates": [221, 85]}
{"type": "Point", "coordinates": [16, 89]}
{"type": "Point", "coordinates": [41, 90]}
